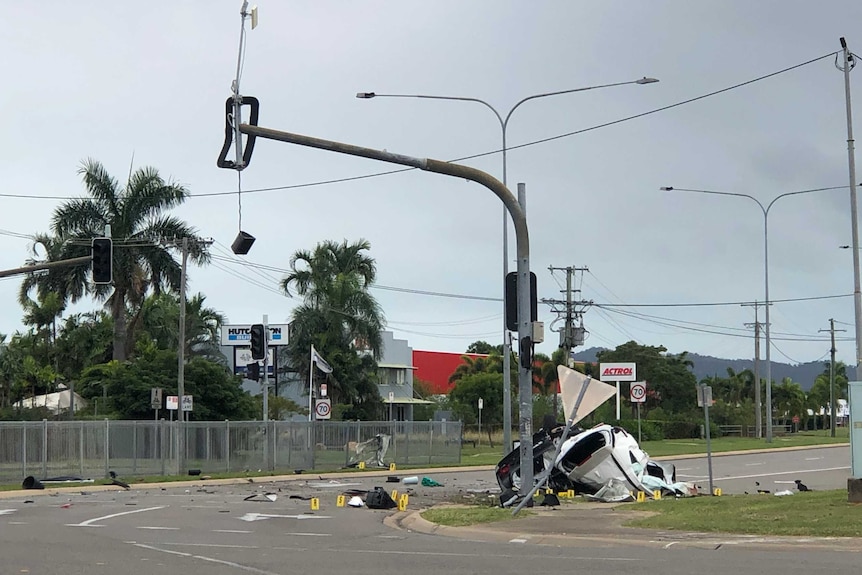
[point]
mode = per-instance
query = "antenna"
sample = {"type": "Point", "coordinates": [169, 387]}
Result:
{"type": "Point", "coordinates": [253, 17]}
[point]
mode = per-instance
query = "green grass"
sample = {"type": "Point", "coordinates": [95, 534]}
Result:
{"type": "Point", "coordinates": [671, 447]}
{"type": "Point", "coordinates": [463, 516]}
{"type": "Point", "coordinates": [811, 514]}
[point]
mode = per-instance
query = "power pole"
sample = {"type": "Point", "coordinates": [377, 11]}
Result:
{"type": "Point", "coordinates": [571, 336]}
{"type": "Point", "coordinates": [758, 405]}
{"type": "Point", "coordinates": [832, 331]}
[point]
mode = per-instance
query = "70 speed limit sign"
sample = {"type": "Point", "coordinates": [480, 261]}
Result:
{"type": "Point", "coordinates": [638, 392]}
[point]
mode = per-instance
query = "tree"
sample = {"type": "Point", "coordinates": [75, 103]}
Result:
{"type": "Point", "coordinates": [136, 214]}
{"type": "Point", "coordinates": [341, 318]}
{"type": "Point", "coordinates": [464, 397]}
{"type": "Point", "coordinates": [160, 318]}
{"type": "Point", "coordinates": [473, 365]}
{"type": "Point", "coordinates": [484, 347]}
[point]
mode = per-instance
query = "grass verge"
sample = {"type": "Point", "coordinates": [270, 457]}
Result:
{"type": "Point", "coordinates": [811, 514]}
{"type": "Point", "coordinates": [472, 515]}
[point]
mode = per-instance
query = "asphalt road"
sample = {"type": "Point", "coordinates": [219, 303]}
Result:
{"type": "Point", "coordinates": [819, 468]}
{"type": "Point", "coordinates": [214, 530]}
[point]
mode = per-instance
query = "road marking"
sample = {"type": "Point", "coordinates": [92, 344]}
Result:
{"type": "Point", "coordinates": [684, 468]}
{"type": "Point", "coordinates": [452, 554]}
{"type": "Point", "coordinates": [311, 534]}
{"type": "Point", "coordinates": [158, 528]}
{"type": "Point", "coordinates": [517, 540]}
{"type": "Point", "coordinates": [781, 473]}
{"type": "Point", "coordinates": [209, 559]}
{"type": "Point", "coordinates": [812, 458]}
{"type": "Point", "coordinates": [669, 545]}
{"type": "Point", "coordinates": [220, 545]}
{"type": "Point", "coordinates": [17, 523]}
{"type": "Point", "coordinates": [7, 511]}
{"type": "Point", "coordinates": [753, 464]}
{"type": "Point", "coordinates": [91, 522]}
{"type": "Point", "coordinates": [263, 516]}
{"type": "Point", "coordinates": [231, 531]}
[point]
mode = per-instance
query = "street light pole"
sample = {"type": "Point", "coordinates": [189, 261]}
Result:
{"type": "Point", "coordinates": [504, 123]}
{"type": "Point", "coordinates": [765, 211]}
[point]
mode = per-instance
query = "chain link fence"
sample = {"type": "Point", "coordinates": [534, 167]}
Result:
{"type": "Point", "coordinates": [90, 449]}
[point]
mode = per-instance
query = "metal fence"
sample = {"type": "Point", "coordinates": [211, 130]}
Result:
{"type": "Point", "coordinates": [90, 449]}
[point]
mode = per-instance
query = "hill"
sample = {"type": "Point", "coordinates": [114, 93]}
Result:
{"type": "Point", "coordinates": [706, 365]}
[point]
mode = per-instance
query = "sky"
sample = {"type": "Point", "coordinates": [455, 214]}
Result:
{"type": "Point", "coordinates": [144, 84]}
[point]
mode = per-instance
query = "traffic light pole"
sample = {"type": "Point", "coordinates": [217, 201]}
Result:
{"type": "Point", "coordinates": [265, 383]}
{"type": "Point", "coordinates": [181, 362]}
{"type": "Point", "coordinates": [522, 237]}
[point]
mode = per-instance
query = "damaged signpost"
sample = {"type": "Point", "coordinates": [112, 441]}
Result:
{"type": "Point", "coordinates": [704, 399]}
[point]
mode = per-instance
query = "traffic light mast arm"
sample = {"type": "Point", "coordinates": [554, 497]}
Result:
{"type": "Point", "coordinates": [46, 266]}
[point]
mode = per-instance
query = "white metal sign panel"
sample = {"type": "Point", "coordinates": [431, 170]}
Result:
{"type": "Point", "coordinates": [323, 408]}
{"type": "Point", "coordinates": [240, 334]}
{"type": "Point", "coordinates": [188, 403]}
{"type": "Point", "coordinates": [172, 402]}
{"type": "Point", "coordinates": [637, 393]}
{"type": "Point", "coordinates": [617, 372]}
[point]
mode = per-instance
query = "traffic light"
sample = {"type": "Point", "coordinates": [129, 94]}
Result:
{"type": "Point", "coordinates": [253, 371]}
{"type": "Point", "coordinates": [103, 257]}
{"type": "Point", "coordinates": [511, 297]}
{"type": "Point", "coordinates": [258, 341]}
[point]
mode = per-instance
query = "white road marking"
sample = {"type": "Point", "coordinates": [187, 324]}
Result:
{"type": "Point", "coordinates": [452, 554]}
{"type": "Point", "coordinates": [158, 528]}
{"type": "Point", "coordinates": [517, 540]}
{"type": "Point", "coordinates": [231, 531]}
{"type": "Point", "coordinates": [781, 473]}
{"type": "Point", "coordinates": [791, 482]}
{"type": "Point", "coordinates": [753, 464]}
{"type": "Point", "coordinates": [221, 545]}
{"type": "Point", "coordinates": [684, 468]}
{"type": "Point", "coordinates": [263, 516]}
{"type": "Point", "coordinates": [209, 559]}
{"type": "Point", "coordinates": [311, 534]}
{"type": "Point", "coordinates": [17, 523]}
{"type": "Point", "coordinates": [91, 522]}
{"type": "Point", "coordinates": [7, 511]}
{"type": "Point", "coordinates": [812, 458]}
{"type": "Point", "coordinates": [669, 545]}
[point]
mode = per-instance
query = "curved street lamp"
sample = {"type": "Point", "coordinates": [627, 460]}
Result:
{"type": "Point", "coordinates": [765, 211]}
{"type": "Point", "coordinates": [504, 123]}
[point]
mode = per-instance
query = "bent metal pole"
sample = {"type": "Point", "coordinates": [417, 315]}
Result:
{"type": "Point", "coordinates": [522, 242]}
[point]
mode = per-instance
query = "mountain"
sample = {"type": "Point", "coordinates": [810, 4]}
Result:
{"type": "Point", "coordinates": [706, 365]}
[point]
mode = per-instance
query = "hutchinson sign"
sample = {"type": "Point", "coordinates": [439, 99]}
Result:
{"type": "Point", "coordinates": [617, 372]}
{"type": "Point", "coordinates": [241, 334]}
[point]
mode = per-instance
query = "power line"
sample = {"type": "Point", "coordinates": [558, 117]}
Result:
{"type": "Point", "coordinates": [483, 154]}
{"type": "Point", "coordinates": [708, 304]}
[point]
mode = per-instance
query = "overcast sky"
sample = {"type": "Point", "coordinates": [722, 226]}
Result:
{"type": "Point", "coordinates": [149, 79]}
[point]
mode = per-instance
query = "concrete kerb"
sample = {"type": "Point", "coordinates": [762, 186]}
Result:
{"type": "Point", "coordinates": [412, 521]}
{"type": "Point", "coordinates": [257, 480]}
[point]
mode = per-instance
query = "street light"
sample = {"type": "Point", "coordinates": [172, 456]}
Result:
{"type": "Point", "coordinates": [765, 211]}
{"type": "Point", "coordinates": [504, 123]}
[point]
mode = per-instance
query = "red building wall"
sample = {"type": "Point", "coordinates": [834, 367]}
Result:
{"type": "Point", "coordinates": [435, 367]}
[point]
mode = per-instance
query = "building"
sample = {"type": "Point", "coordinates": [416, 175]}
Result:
{"type": "Point", "coordinates": [435, 368]}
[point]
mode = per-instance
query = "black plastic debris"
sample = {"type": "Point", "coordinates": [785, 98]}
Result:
{"type": "Point", "coordinates": [550, 500]}
{"type": "Point", "coordinates": [393, 479]}
{"type": "Point", "coordinates": [508, 498]}
{"type": "Point", "coordinates": [31, 482]}
{"type": "Point", "coordinates": [194, 472]}
{"type": "Point", "coordinates": [261, 497]}
{"type": "Point", "coordinates": [378, 498]}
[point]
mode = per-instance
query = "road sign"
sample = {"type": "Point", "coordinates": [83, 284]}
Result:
{"type": "Point", "coordinates": [481, 403]}
{"type": "Point", "coordinates": [188, 403]}
{"type": "Point", "coordinates": [795, 419]}
{"type": "Point", "coordinates": [704, 395]}
{"type": "Point", "coordinates": [156, 398]}
{"type": "Point", "coordinates": [637, 392]}
{"type": "Point", "coordinates": [323, 408]}
{"type": "Point", "coordinates": [172, 402]}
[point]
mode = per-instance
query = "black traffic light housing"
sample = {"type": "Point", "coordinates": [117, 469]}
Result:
{"type": "Point", "coordinates": [258, 341]}
{"type": "Point", "coordinates": [103, 257]}
{"type": "Point", "coordinates": [511, 297]}
{"type": "Point", "coordinates": [253, 371]}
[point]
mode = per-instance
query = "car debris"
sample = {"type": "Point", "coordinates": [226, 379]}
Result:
{"type": "Point", "coordinates": [371, 453]}
{"type": "Point", "coordinates": [604, 458]}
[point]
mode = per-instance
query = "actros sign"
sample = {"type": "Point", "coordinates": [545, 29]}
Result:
{"type": "Point", "coordinates": [617, 372]}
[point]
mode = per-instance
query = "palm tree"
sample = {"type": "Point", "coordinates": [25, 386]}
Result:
{"type": "Point", "coordinates": [160, 317]}
{"type": "Point", "coordinates": [137, 219]}
{"type": "Point", "coordinates": [338, 314]}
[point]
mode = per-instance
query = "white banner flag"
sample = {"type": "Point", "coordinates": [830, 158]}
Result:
{"type": "Point", "coordinates": [316, 359]}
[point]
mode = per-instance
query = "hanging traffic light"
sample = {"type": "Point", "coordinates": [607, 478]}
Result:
{"type": "Point", "coordinates": [253, 371]}
{"type": "Point", "coordinates": [258, 341]}
{"type": "Point", "coordinates": [102, 253]}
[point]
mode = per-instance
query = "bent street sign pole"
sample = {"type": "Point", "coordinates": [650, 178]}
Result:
{"type": "Point", "coordinates": [522, 239]}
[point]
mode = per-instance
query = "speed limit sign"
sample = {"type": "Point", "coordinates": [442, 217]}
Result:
{"type": "Point", "coordinates": [638, 392]}
{"type": "Point", "coordinates": [323, 408]}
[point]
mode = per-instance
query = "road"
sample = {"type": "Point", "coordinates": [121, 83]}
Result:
{"type": "Point", "coordinates": [819, 468]}
{"type": "Point", "coordinates": [215, 530]}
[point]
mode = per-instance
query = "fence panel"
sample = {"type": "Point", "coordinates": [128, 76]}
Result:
{"type": "Point", "coordinates": [132, 449]}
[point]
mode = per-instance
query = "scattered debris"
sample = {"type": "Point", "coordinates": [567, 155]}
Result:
{"type": "Point", "coordinates": [614, 491]}
{"type": "Point", "coordinates": [355, 501]}
{"type": "Point", "coordinates": [783, 493]}
{"type": "Point", "coordinates": [410, 480]}
{"type": "Point", "coordinates": [194, 472]}
{"type": "Point", "coordinates": [31, 482]}
{"type": "Point", "coordinates": [393, 479]}
{"type": "Point", "coordinates": [370, 452]}
{"type": "Point", "coordinates": [261, 497]}
{"type": "Point", "coordinates": [428, 482]}
{"type": "Point", "coordinates": [65, 506]}
{"type": "Point", "coordinates": [379, 498]}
